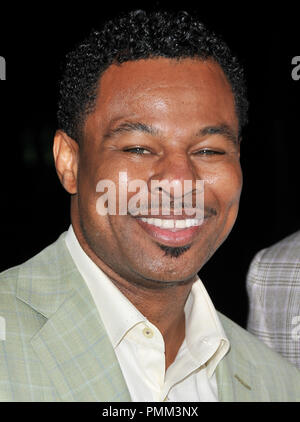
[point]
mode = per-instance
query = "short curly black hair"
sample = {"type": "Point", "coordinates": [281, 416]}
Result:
{"type": "Point", "coordinates": [140, 35]}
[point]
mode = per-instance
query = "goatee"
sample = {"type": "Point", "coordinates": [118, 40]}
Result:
{"type": "Point", "coordinates": [174, 252]}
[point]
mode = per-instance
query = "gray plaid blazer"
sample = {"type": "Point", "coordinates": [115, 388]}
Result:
{"type": "Point", "coordinates": [273, 285]}
{"type": "Point", "coordinates": [56, 348]}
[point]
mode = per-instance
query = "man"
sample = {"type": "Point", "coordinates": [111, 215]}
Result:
{"type": "Point", "coordinates": [273, 285]}
{"type": "Point", "coordinates": [114, 310]}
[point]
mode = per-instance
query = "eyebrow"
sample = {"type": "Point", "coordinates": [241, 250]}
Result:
{"type": "Point", "coordinates": [222, 129]}
{"type": "Point", "coordinates": [132, 127]}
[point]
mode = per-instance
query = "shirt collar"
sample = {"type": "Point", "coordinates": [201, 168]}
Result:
{"type": "Point", "coordinates": [205, 337]}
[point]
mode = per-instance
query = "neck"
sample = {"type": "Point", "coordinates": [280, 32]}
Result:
{"type": "Point", "coordinates": [165, 309]}
{"type": "Point", "coordinates": [162, 306]}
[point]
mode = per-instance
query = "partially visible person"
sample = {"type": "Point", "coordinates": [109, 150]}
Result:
{"type": "Point", "coordinates": [273, 286]}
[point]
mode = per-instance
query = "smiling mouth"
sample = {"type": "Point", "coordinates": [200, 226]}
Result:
{"type": "Point", "coordinates": [171, 232]}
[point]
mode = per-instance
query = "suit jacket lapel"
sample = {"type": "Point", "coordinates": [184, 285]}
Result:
{"type": "Point", "coordinates": [237, 377]}
{"type": "Point", "coordinates": [233, 381]}
{"type": "Point", "coordinates": [72, 345]}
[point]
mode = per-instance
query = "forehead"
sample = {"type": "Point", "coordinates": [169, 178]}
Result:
{"type": "Point", "coordinates": [165, 89]}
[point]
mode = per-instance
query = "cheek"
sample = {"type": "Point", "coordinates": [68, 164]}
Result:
{"type": "Point", "coordinates": [224, 190]}
{"type": "Point", "coordinates": [226, 185]}
{"type": "Point", "coordinates": [107, 179]}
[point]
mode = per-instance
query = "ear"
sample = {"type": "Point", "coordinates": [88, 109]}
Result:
{"type": "Point", "coordinates": [66, 157]}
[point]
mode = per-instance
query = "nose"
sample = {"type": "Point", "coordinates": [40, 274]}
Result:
{"type": "Point", "coordinates": [175, 169]}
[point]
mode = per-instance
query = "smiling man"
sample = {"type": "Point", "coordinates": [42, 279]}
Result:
{"type": "Point", "coordinates": [114, 310]}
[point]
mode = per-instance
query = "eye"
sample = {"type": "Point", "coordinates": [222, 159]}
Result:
{"type": "Point", "coordinates": [209, 152]}
{"type": "Point", "coordinates": [137, 150]}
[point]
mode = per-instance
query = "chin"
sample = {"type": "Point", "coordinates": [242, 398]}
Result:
{"type": "Point", "coordinates": [167, 273]}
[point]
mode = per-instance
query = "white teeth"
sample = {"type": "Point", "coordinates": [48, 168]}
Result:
{"type": "Point", "coordinates": [171, 224]}
{"type": "Point", "coordinates": [167, 224]}
{"type": "Point", "coordinates": [180, 224]}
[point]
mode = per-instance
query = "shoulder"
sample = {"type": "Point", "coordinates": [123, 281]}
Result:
{"type": "Point", "coordinates": [286, 250]}
{"type": "Point", "coordinates": [46, 265]}
{"type": "Point", "coordinates": [42, 262]}
{"type": "Point", "coordinates": [277, 264]}
{"type": "Point", "coordinates": [248, 345]}
{"type": "Point", "coordinates": [254, 350]}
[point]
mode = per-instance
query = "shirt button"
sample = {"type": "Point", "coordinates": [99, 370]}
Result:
{"type": "Point", "coordinates": [148, 332]}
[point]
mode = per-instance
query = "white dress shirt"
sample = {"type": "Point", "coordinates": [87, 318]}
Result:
{"type": "Point", "coordinates": [139, 345]}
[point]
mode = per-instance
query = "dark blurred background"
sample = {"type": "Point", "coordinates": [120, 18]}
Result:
{"type": "Point", "coordinates": [34, 206]}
